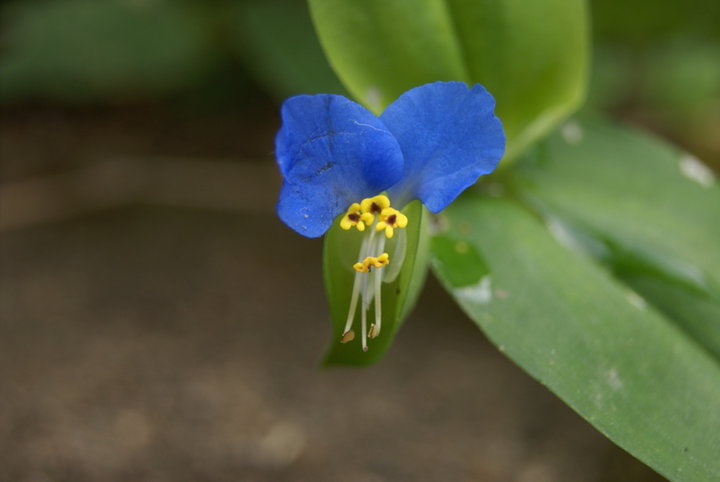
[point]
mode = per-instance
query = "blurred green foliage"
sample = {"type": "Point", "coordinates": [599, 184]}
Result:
{"type": "Point", "coordinates": [277, 43]}
{"type": "Point", "coordinates": [79, 49]}
{"type": "Point", "coordinates": [642, 24]}
{"type": "Point", "coordinates": [653, 60]}
{"type": "Point", "coordinates": [656, 62]}
{"type": "Point", "coordinates": [73, 51]}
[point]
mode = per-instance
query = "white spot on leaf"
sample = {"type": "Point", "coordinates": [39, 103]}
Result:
{"type": "Point", "coordinates": [562, 234]}
{"type": "Point", "coordinates": [692, 168]}
{"type": "Point", "coordinates": [613, 379]}
{"type": "Point", "coordinates": [479, 293]}
{"type": "Point", "coordinates": [636, 300]}
{"type": "Point", "coordinates": [572, 132]}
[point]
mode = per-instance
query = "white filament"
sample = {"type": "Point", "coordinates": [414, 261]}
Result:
{"type": "Point", "coordinates": [377, 280]}
{"type": "Point", "coordinates": [364, 248]}
{"type": "Point", "coordinates": [373, 244]}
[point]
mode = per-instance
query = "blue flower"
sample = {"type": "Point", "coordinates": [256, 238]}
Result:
{"type": "Point", "coordinates": [337, 157]}
{"type": "Point", "coordinates": [431, 144]}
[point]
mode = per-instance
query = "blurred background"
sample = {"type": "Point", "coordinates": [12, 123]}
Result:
{"type": "Point", "coordinates": [157, 322]}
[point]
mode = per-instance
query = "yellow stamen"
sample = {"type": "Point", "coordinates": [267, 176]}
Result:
{"type": "Point", "coordinates": [373, 206]}
{"type": "Point", "coordinates": [372, 261]}
{"type": "Point", "coordinates": [367, 218]}
{"type": "Point", "coordinates": [374, 212]}
{"type": "Point", "coordinates": [389, 220]}
{"type": "Point", "coordinates": [354, 217]}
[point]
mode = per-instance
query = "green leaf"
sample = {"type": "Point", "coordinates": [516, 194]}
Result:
{"type": "Point", "coordinates": [535, 69]}
{"type": "Point", "coordinates": [398, 297]}
{"type": "Point", "coordinates": [620, 364]}
{"type": "Point", "coordinates": [381, 48]}
{"type": "Point", "coordinates": [649, 209]}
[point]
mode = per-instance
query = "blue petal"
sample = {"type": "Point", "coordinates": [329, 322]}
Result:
{"type": "Point", "coordinates": [331, 152]}
{"type": "Point", "coordinates": [449, 137]}
{"type": "Point", "coordinates": [304, 208]}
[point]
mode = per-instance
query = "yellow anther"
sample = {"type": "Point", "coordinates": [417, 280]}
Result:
{"type": "Point", "coordinates": [381, 260]}
{"type": "Point", "coordinates": [372, 261]}
{"type": "Point", "coordinates": [347, 336]}
{"type": "Point", "coordinates": [354, 217]}
{"type": "Point", "coordinates": [373, 332]}
{"type": "Point", "coordinates": [367, 218]}
{"type": "Point", "coordinates": [373, 206]}
{"type": "Point", "coordinates": [389, 220]}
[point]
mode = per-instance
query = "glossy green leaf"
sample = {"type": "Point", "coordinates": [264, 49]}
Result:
{"type": "Point", "coordinates": [619, 363]}
{"type": "Point", "coordinates": [398, 297]}
{"type": "Point", "coordinates": [532, 56]}
{"type": "Point", "coordinates": [652, 210]}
